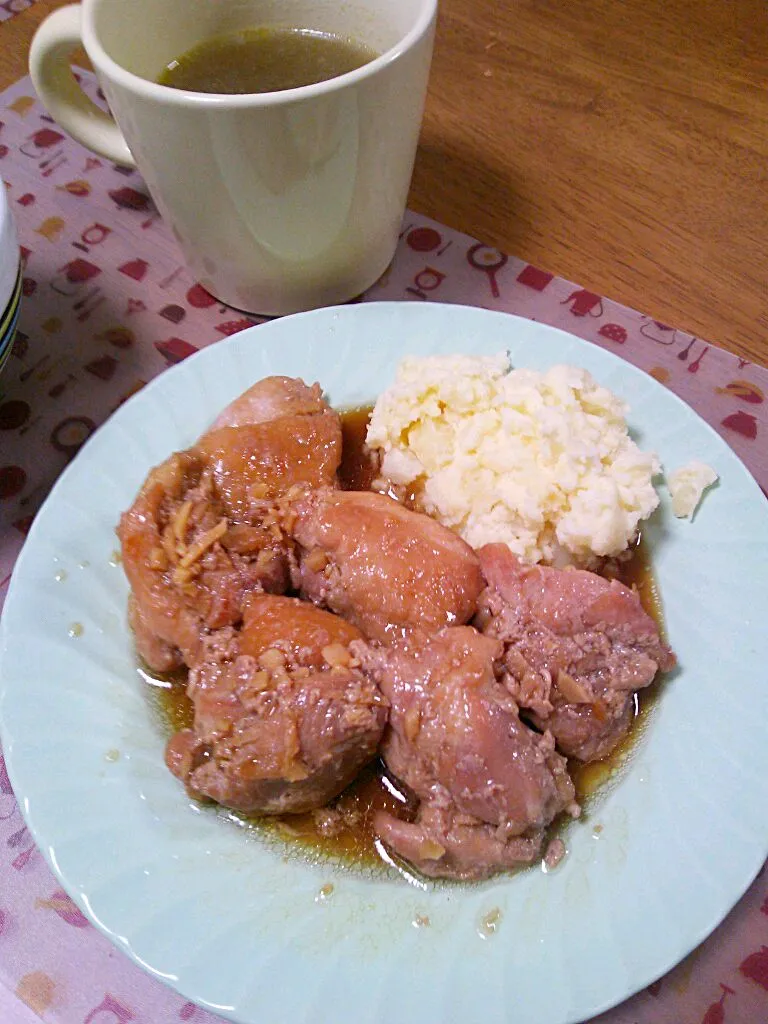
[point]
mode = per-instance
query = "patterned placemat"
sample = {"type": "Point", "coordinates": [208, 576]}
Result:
{"type": "Point", "coordinates": [108, 305]}
{"type": "Point", "coordinates": [8, 8]}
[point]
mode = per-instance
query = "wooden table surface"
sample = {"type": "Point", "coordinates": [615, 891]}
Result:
{"type": "Point", "coordinates": [623, 145]}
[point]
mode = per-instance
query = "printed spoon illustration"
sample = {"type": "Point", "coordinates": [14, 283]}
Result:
{"type": "Point", "coordinates": [683, 356]}
{"type": "Point", "coordinates": [694, 366]}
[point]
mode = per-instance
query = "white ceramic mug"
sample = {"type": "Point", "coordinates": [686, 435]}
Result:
{"type": "Point", "coordinates": [280, 201]}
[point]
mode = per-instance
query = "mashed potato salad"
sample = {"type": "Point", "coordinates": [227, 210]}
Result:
{"type": "Point", "coordinates": [540, 461]}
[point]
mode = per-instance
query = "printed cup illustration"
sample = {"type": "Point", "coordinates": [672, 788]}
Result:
{"type": "Point", "coordinates": [72, 278]}
{"type": "Point", "coordinates": [280, 201]}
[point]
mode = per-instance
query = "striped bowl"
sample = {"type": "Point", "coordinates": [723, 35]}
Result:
{"type": "Point", "coordinates": [10, 280]}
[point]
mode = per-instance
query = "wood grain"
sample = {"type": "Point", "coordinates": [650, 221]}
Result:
{"type": "Point", "coordinates": [623, 145]}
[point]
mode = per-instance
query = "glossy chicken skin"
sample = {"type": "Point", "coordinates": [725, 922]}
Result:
{"type": "Point", "coordinates": [284, 717]}
{"type": "Point", "coordinates": [278, 434]}
{"type": "Point", "coordinates": [258, 462]}
{"type": "Point", "coordinates": [577, 647]}
{"type": "Point", "coordinates": [269, 398]}
{"type": "Point", "coordinates": [383, 567]}
{"type": "Point", "coordinates": [487, 784]}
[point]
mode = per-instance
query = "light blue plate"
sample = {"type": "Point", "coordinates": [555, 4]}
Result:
{"type": "Point", "coordinates": [234, 925]}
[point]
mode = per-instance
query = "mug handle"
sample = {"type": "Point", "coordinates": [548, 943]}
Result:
{"type": "Point", "coordinates": [49, 55]}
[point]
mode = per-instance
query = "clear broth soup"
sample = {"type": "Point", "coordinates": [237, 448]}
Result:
{"type": "Point", "coordinates": [258, 60]}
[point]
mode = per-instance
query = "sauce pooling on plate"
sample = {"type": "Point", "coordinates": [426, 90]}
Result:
{"type": "Point", "coordinates": [344, 830]}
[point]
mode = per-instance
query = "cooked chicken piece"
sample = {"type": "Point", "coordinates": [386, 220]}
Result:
{"type": "Point", "coordinates": [187, 567]}
{"type": "Point", "coordinates": [202, 532]}
{"type": "Point", "coordinates": [284, 717]}
{"type": "Point", "coordinates": [159, 654]}
{"type": "Point", "coordinates": [306, 635]}
{"type": "Point", "coordinates": [443, 843]}
{"type": "Point", "coordinates": [488, 785]}
{"type": "Point", "coordinates": [380, 565]}
{"type": "Point", "coordinates": [276, 435]}
{"type": "Point", "coordinates": [269, 398]}
{"type": "Point", "coordinates": [256, 463]}
{"type": "Point", "coordinates": [576, 648]}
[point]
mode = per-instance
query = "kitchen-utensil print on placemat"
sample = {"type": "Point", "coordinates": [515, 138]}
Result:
{"type": "Point", "coordinates": [656, 331]}
{"type": "Point", "coordinates": [426, 239]}
{"type": "Point", "coordinates": [694, 364]}
{"type": "Point", "coordinates": [45, 147]}
{"type": "Point", "coordinates": [421, 240]}
{"type": "Point", "coordinates": [744, 391]}
{"type": "Point", "coordinates": [76, 280]}
{"type": "Point", "coordinates": [614, 332]}
{"type": "Point", "coordinates": [755, 966]}
{"type": "Point", "coordinates": [534, 277]}
{"type": "Point", "coordinates": [490, 261]}
{"type": "Point", "coordinates": [583, 303]}
{"type": "Point", "coordinates": [716, 1012]}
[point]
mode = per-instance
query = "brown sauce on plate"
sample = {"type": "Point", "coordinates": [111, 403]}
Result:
{"type": "Point", "coordinates": [351, 838]}
{"type": "Point", "coordinates": [588, 779]}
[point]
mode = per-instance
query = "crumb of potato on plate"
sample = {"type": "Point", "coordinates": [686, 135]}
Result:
{"type": "Point", "coordinates": [687, 486]}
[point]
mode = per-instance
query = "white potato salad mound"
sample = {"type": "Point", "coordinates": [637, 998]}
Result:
{"type": "Point", "coordinates": [540, 461]}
